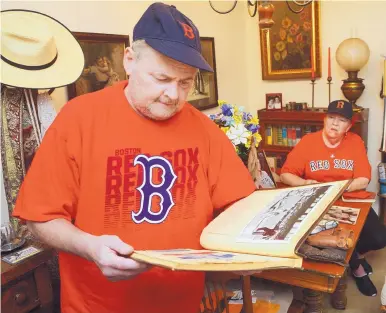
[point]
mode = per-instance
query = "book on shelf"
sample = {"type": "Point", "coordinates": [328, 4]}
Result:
{"type": "Point", "coordinates": [262, 231]}
{"type": "Point", "coordinates": [287, 135]}
{"type": "Point", "coordinates": [284, 135]}
{"type": "Point", "coordinates": [279, 135]}
{"type": "Point", "coordinates": [268, 134]}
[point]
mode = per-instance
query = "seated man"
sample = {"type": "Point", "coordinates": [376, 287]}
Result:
{"type": "Point", "coordinates": [334, 154]}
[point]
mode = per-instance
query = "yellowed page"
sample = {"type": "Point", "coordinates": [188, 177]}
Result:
{"type": "Point", "coordinates": [205, 260]}
{"type": "Point", "coordinates": [270, 222]}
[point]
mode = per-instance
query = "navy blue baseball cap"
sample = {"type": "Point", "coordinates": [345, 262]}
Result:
{"type": "Point", "coordinates": [171, 33]}
{"type": "Point", "coordinates": [341, 107]}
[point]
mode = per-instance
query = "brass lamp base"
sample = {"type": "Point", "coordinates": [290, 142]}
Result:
{"type": "Point", "coordinates": [352, 88]}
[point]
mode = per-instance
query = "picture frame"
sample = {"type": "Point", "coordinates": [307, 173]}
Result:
{"type": "Point", "coordinates": [204, 93]}
{"type": "Point", "coordinates": [274, 101]}
{"type": "Point", "coordinates": [272, 163]}
{"type": "Point", "coordinates": [287, 47]}
{"type": "Point", "coordinates": [103, 62]}
{"type": "Point", "coordinates": [266, 177]}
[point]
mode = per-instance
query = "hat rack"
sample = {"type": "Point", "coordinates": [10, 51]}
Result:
{"type": "Point", "coordinates": [31, 97]}
{"type": "Point", "coordinates": [31, 107]}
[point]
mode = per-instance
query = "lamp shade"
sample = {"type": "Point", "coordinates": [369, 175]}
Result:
{"type": "Point", "coordinates": [352, 54]}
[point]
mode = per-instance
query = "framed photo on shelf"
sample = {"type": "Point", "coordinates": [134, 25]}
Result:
{"type": "Point", "coordinates": [266, 177]}
{"type": "Point", "coordinates": [103, 55]}
{"type": "Point", "coordinates": [288, 46]}
{"type": "Point", "coordinates": [273, 101]}
{"type": "Point", "coordinates": [203, 94]}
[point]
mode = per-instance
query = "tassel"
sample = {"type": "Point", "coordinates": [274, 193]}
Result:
{"type": "Point", "coordinates": [35, 115]}
{"type": "Point", "coordinates": [31, 116]}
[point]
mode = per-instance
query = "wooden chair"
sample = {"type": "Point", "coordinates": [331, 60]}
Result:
{"type": "Point", "coordinates": [216, 299]}
{"type": "Point", "coordinates": [217, 296]}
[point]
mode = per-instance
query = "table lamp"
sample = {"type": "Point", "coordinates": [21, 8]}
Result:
{"type": "Point", "coordinates": [352, 54]}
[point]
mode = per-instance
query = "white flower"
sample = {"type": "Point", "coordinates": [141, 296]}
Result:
{"type": "Point", "coordinates": [238, 134]}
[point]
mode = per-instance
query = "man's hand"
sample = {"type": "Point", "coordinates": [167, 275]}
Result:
{"type": "Point", "coordinates": [310, 181]}
{"type": "Point", "coordinates": [111, 255]}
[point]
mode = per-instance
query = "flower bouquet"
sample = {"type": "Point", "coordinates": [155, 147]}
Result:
{"type": "Point", "coordinates": [242, 128]}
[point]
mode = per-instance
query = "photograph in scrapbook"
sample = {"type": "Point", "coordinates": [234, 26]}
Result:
{"type": "Point", "coordinates": [284, 216]}
{"type": "Point", "coordinates": [20, 255]}
{"type": "Point", "coordinates": [264, 231]}
{"type": "Point", "coordinates": [342, 214]}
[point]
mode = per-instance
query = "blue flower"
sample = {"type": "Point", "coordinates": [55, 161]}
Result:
{"type": "Point", "coordinates": [228, 120]}
{"type": "Point", "coordinates": [227, 110]}
{"type": "Point", "coordinates": [253, 128]}
{"type": "Point", "coordinates": [246, 116]}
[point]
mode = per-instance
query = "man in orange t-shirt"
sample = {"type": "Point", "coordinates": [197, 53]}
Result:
{"type": "Point", "coordinates": [133, 166]}
{"type": "Point", "coordinates": [314, 161]}
{"type": "Point", "coordinates": [334, 154]}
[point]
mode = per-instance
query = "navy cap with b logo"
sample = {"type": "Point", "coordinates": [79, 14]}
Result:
{"type": "Point", "coordinates": [341, 107]}
{"type": "Point", "coordinates": [171, 33]}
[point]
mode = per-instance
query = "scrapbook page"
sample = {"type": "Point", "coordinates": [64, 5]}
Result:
{"type": "Point", "coordinates": [20, 255]}
{"type": "Point", "coordinates": [263, 230]}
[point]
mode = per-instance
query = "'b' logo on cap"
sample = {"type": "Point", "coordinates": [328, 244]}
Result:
{"type": "Point", "coordinates": [188, 31]}
{"type": "Point", "coordinates": [340, 105]}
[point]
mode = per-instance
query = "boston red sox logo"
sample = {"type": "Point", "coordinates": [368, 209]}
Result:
{"type": "Point", "coordinates": [188, 31]}
{"type": "Point", "coordinates": [340, 105]}
{"type": "Point", "coordinates": [148, 189]}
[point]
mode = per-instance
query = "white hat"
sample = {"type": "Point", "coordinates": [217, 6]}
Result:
{"type": "Point", "coordinates": [37, 51]}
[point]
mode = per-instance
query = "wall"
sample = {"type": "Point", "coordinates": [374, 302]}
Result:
{"type": "Point", "coordinates": [3, 203]}
{"type": "Point", "coordinates": [119, 17]}
{"type": "Point", "coordinates": [238, 49]}
{"type": "Point", "coordinates": [339, 20]}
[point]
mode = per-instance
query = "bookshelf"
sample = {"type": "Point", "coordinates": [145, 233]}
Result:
{"type": "Point", "coordinates": [296, 124]}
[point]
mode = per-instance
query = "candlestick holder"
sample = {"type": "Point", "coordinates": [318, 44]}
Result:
{"type": "Point", "coordinates": [313, 93]}
{"type": "Point", "coordinates": [329, 79]}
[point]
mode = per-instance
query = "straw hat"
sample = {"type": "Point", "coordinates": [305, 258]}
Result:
{"type": "Point", "coordinates": [37, 51]}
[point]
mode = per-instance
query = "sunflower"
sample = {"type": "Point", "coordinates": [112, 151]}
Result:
{"type": "Point", "coordinates": [286, 22]}
{"type": "Point", "coordinates": [280, 46]}
{"type": "Point", "coordinates": [282, 33]}
{"type": "Point", "coordinates": [284, 54]}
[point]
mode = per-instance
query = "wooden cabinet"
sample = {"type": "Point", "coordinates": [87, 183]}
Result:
{"type": "Point", "coordinates": [273, 123]}
{"type": "Point", "coordinates": [26, 287]}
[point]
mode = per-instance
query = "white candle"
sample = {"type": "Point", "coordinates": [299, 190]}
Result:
{"type": "Point", "coordinates": [384, 78]}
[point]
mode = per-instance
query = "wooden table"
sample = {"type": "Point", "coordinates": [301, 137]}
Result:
{"type": "Point", "coordinates": [382, 207]}
{"type": "Point", "coordinates": [26, 287]}
{"type": "Point", "coordinates": [317, 277]}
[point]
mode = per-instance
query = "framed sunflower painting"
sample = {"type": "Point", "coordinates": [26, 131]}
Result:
{"type": "Point", "coordinates": [288, 46]}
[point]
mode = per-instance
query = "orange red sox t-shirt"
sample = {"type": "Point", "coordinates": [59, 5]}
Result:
{"type": "Point", "coordinates": [153, 184]}
{"type": "Point", "coordinates": [312, 159]}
